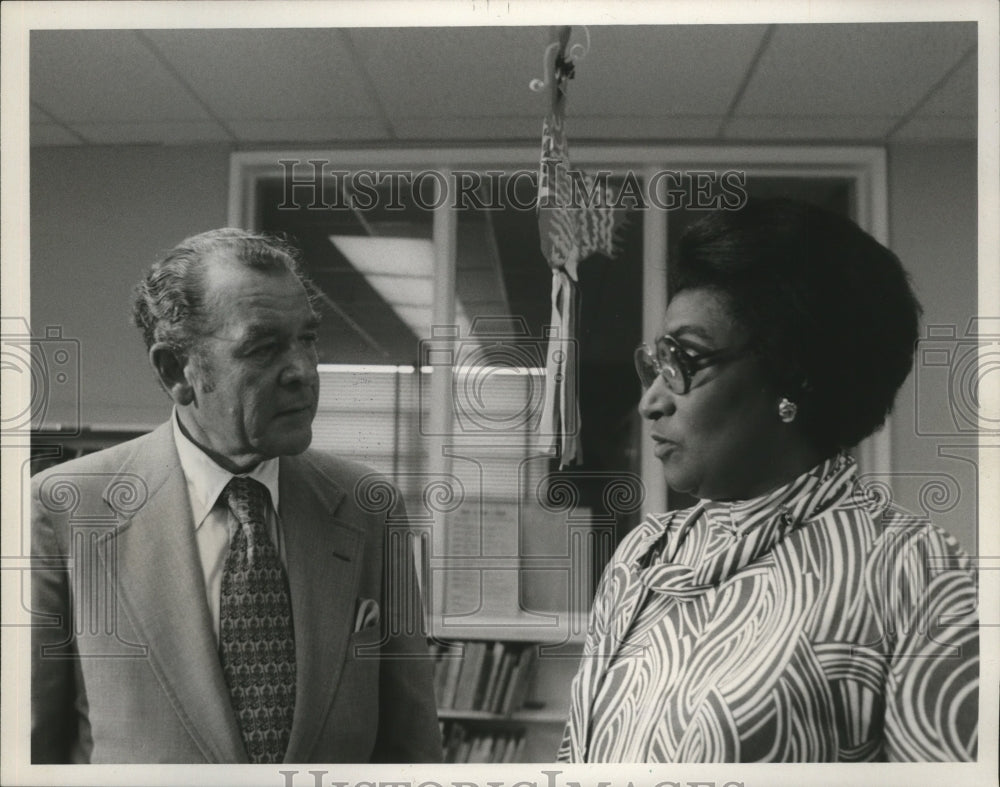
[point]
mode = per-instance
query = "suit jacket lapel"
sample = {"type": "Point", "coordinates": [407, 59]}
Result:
{"type": "Point", "coordinates": [162, 590]}
{"type": "Point", "coordinates": [324, 559]}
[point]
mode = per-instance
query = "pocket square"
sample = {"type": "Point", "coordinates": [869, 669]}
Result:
{"type": "Point", "coordinates": [367, 614]}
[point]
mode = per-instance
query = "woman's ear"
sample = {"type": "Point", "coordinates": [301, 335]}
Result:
{"type": "Point", "coordinates": [170, 365]}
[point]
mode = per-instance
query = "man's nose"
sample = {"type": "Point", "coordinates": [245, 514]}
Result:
{"type": "Point", "coordinates": [657, 400]}
{"type": "Point", "coordinates": [301, 367]}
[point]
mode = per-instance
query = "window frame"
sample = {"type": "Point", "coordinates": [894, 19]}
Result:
{"type": "Point", "coordinates": [864, 166]}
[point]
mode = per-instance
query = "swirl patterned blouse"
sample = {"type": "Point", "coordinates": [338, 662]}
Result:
{"type": "Point", "coordinates": [813, 624]}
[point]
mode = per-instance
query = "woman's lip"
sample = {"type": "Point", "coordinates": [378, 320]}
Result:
{"type": "Point", "coordinates": [660, 450]}
{"type": "Point", "coordinates": [662, 446]}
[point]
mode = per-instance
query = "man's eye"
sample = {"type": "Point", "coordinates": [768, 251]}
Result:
{"type": "Point", "coordinates": [310, 338]}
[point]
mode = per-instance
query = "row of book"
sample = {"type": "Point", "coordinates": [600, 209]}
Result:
{"type": "Point", "coordinates": [466, 744]}
{"type": "Point", "coordinates": [478, 675]}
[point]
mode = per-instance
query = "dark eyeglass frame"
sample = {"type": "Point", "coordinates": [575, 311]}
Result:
{"type": "Point", "coordinates": [676, 364]}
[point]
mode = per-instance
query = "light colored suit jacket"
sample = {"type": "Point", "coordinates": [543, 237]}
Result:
{"type": "Point", "coordinates": [125, 665]}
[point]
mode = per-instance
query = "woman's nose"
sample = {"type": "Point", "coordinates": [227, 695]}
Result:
{"type": "Point", "coordinates": [657, 400]}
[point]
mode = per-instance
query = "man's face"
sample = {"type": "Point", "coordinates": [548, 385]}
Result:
{"type": "Point", "coordinates": [253, 372]}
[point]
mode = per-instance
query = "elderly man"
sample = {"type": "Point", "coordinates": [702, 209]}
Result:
{"type": "Point", "coordinates": [212, 591]}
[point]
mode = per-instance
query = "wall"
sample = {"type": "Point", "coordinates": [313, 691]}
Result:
{"type": "Point", "coordinates": [100, 216]}
{"type": "Point", "coordinates": [933, 223]}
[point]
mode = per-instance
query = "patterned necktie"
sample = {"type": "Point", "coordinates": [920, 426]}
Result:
{"type": "Point", "coordinates": [256, 641]}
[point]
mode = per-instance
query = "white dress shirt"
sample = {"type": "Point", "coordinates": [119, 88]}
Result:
{"type": "Point", "coordinates": [214, 523]}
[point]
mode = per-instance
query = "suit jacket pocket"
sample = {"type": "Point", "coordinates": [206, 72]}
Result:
{"type": "Point", "coordinates": [364, 644]}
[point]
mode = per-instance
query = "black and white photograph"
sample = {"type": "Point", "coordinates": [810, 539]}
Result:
{"type": "Point", "coordinates": [510, 394]}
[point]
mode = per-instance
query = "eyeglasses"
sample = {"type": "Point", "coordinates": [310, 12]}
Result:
{"type": "Point", "coordinates": [675, 364]}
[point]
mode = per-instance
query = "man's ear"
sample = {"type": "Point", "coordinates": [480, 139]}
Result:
{"type": "Point", "coordinates": [170, 365]}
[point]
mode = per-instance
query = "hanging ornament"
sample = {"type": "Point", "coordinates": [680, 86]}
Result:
{"type": "Point", "coordinates": [573, 224]}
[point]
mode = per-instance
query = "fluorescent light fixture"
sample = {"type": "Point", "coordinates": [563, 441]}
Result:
{"type": "Point", "coordinates": [403, 290]}
{"type": "Point", "coordinates": [401, 271]}
{"type": "Point", "coordinates": [387, 256]}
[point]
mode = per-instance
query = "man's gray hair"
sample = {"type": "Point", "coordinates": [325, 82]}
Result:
{"type": "Point", "coordinates": [168, 304]}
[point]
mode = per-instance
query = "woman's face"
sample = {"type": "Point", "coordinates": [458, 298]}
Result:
{"type": "Point", "coordinates": [723, 439]}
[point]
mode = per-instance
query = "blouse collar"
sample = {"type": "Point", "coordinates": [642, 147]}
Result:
{"type": "Point", "coordinates": [757, 524]}
{"type": "Point", "coordinates": [802, 498]}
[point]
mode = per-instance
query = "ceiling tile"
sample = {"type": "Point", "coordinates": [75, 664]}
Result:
{"type": "Point", "coordinates": [153, 132]}
{"type": "Point", "coordinates": [430, 72]}
{"type": "Point", "coordinates": [322, 130]}
{"type": "Point", "coordinates": [618, 127]}
{"type": "Point", "coordinates": [104, 76]}
{"type": "Point", "coordinates": [814, 82]}
{"type": "Point", "coordinates": [818, 128]}
{"type": "Point", "coordinates": [956, 98]}
{"type": "Point", "coordinates": [853, 69]}
{"type": "Point", "coordinates": [51, 134]}
{"type": "Point", "coordinates": [450, 127]}
{"type": "Point", "coordinates": [266, 74]}
{"type": "Point", "coordinates": [662, 70]}
{"type": "Point", "coordinates": [39, 115]}
{"type": "Point", "coordinates": [927, 128]}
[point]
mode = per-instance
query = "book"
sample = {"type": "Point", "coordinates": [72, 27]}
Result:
{"type": "Point", "coordinates": [520, 680]}
{"type": "Point", "coordinates": [518, 755]}
{"type": "Point", "coordinates": [453, 669]}
{"type": "Point", "coordinates": [480, 750]}
{"type": "Point", "coordinates": [468, 680]}
{"type": "Point", "coordinates": [500, 745]}
{"type": "Point", "coordinates": [486, 669]}
{"type": "Point", "coordinates": [453, 741]}
{"type": "Point", "coordinates": [497, 653]}
{"type": "Point", "coordinates": [440, 669]}
{"type": "Point", "coordinates": [509, 752]}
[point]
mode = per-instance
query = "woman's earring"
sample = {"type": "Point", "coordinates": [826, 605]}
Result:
{"type": "Point", "coordinates": [787, 410]}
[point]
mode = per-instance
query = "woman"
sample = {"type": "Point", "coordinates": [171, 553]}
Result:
{"type": "Point", "coordinates": [788, 616]}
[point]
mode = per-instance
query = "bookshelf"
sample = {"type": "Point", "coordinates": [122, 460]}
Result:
{"type": "Point", "coordinates": [503, 690]}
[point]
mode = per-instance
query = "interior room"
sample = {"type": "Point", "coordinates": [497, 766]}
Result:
{"type": "Point", "coordinates": [142, 137]}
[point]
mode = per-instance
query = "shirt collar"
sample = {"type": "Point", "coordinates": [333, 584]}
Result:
{"type": "Point", "coordinates": [206, 479]}
{"type": "Point", "coordinates": [802, 498]}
